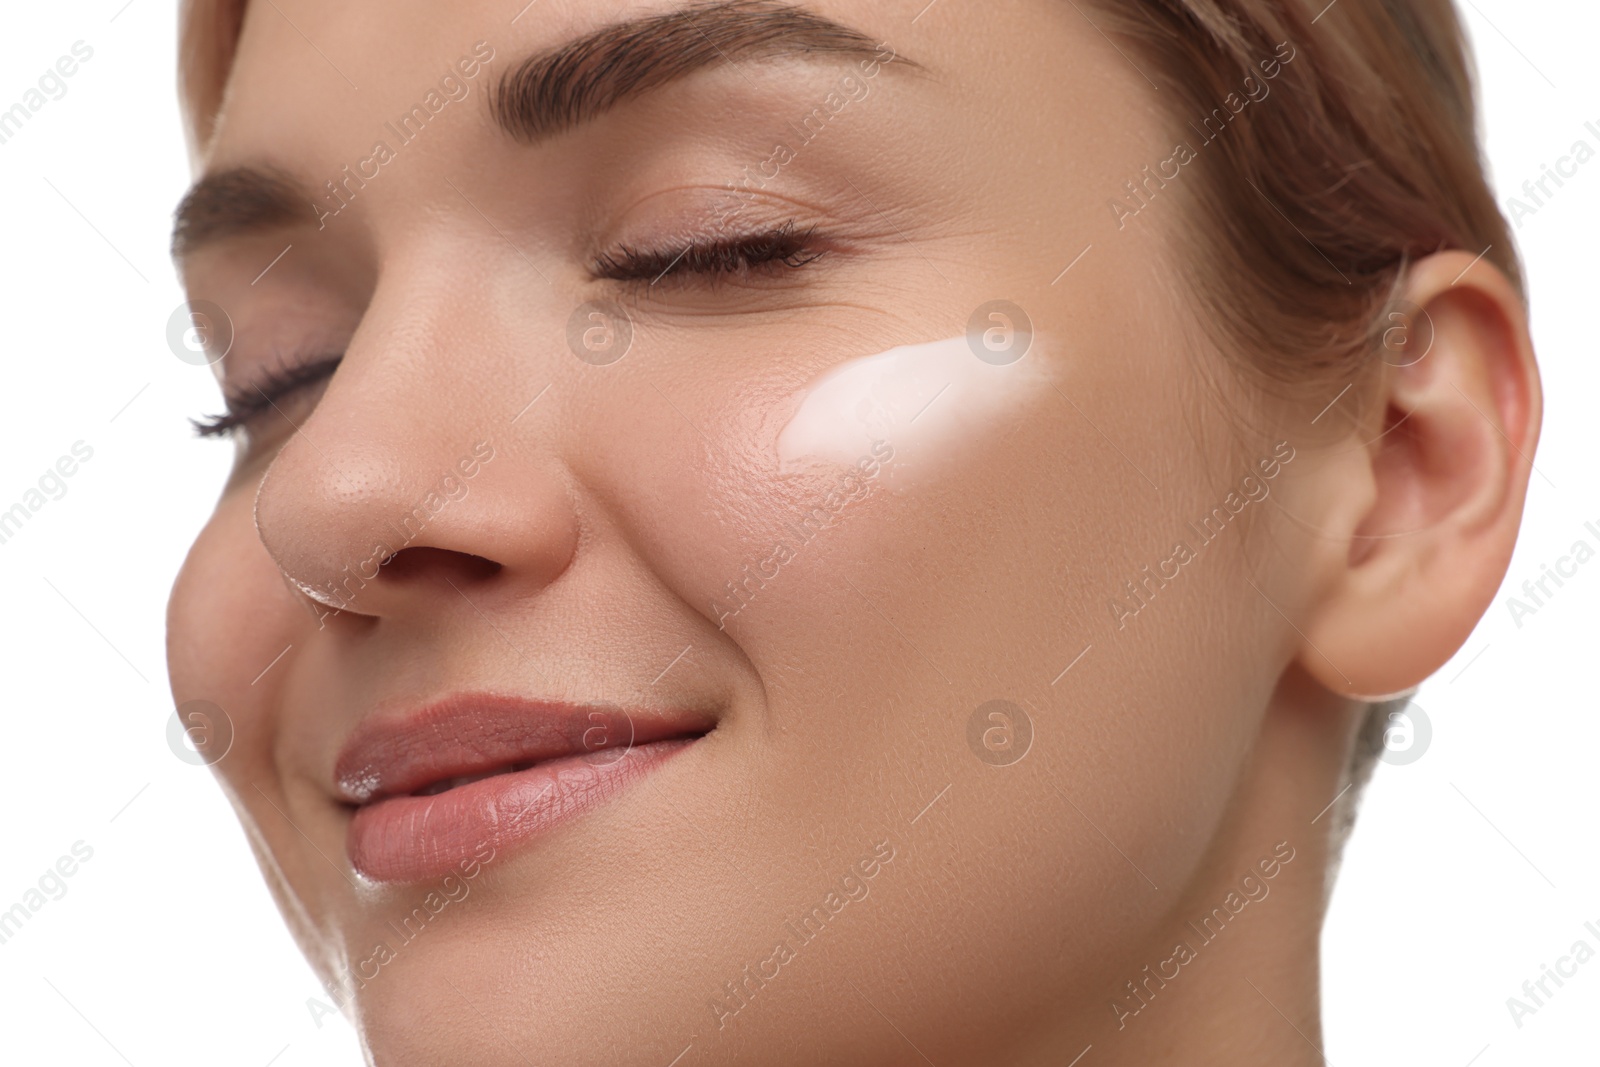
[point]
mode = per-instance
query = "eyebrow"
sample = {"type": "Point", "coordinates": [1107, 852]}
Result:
{"type": "Point", "coordinates": [555, 90]}
{"type": "Point", "coordinates": [235, 201]}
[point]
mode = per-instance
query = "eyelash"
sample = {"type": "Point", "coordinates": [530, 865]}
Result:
{"type": "Point", "coordinates": [778, 249]}
{"type": "Point", "coordinates": [278, 383]}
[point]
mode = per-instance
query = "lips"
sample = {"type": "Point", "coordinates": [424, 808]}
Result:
{"type": "Point", "coordinates": [476, 774]}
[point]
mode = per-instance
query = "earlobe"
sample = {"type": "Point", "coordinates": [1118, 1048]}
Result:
{"type": "Point", "coordinates": [1449, 468]}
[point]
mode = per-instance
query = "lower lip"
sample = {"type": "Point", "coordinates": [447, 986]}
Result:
{"type": "Point", "coordinates": [412, 839]}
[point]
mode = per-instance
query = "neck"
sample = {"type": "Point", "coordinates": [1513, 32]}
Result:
{"type": "Point", "coordinates": [1230, 974]}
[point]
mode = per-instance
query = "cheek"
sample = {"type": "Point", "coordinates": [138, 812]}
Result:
{"type": "Point", "coordinates": [228, 617]}
{"type": "Point", "coordinates": [978, 564]}
{"type": "Point", "coordinates": [762, 478]}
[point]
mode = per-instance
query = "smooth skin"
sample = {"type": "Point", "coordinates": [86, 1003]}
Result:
{"type": "Point", "coordinates": [1178, 752]}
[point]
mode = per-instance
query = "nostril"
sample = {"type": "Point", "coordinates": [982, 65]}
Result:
{"type": "Point", "coordinates": [411, 563]}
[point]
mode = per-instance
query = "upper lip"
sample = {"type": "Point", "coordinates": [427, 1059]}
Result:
{"type": "Point", "coordinates": [472, 734]}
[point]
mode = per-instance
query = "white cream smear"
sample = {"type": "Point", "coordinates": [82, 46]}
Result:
{"type": "Point", "coordinates": [927, 401]}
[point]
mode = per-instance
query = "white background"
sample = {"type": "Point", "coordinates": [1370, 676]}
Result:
{"type": "Point", "coordinates": [1469, 870]}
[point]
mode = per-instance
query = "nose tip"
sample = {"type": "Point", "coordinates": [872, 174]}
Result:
{"type": "Point", "coordinates": [387, 527]}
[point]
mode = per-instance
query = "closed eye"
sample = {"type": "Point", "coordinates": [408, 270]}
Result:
{"type": "Point", "coordinates": [249, 402]}
{"type": "Point", "coordinates": [775, 250]}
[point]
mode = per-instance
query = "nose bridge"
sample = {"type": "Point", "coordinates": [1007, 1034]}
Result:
{"type": "Point", "coordinates": [409, 448]}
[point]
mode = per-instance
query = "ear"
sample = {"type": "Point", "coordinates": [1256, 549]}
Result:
{"type": "Point", "coordinates": [1428, 540]}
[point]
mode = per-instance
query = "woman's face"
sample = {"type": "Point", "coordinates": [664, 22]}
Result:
{"type": "Point", "coordinates": [609, 643]}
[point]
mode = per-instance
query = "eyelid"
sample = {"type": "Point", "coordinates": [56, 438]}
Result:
{"type": "Point", "coordinates": [712, 256]}
{"type": "Point", "coordinates": [249, 402]}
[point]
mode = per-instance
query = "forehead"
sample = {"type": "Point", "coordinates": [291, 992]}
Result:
{"type": "Point", "coordinates": [304, 69]}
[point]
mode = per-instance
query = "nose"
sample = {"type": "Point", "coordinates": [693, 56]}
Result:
{"type": "Point", "coordinates": [406, 487]}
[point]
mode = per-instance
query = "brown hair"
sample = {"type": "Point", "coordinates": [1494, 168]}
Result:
{"type": "Point", "coordinates": [1311, 203]}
